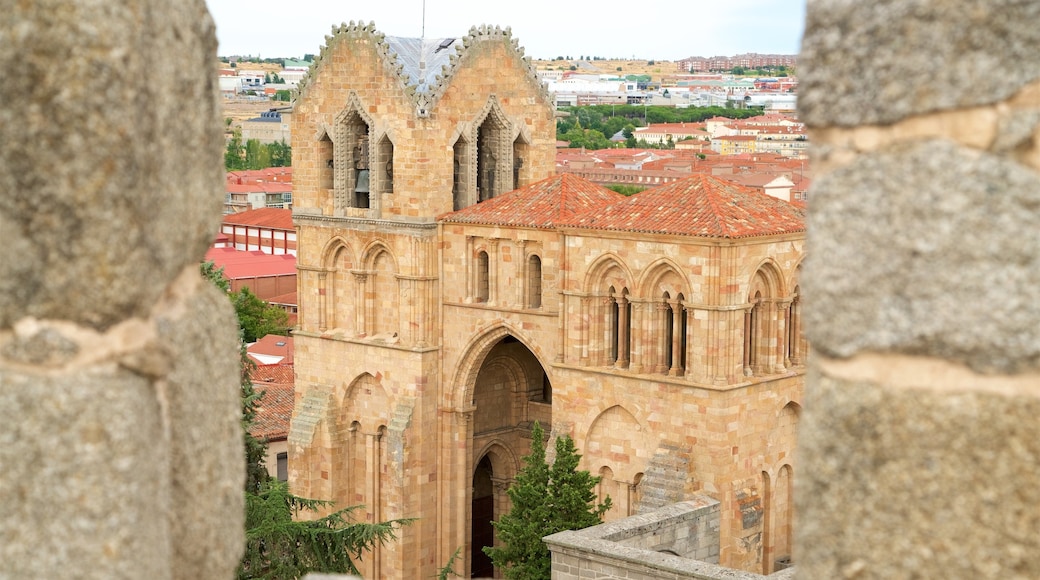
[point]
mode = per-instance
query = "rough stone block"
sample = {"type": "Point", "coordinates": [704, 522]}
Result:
{"type": "Point", "coordinates": [881, 61]}
{"type": "Point", "coordinates": [111, 156]}
{"type": "Point", "coordinates": [917, 483]}
{"type": "Point", "coordinates": [207, 457]}
{"type": "Point", "coordinates": [926, 249]}
{"type": "Point", "coordinates": [85, 475]}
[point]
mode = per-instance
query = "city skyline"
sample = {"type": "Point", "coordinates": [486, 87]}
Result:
{"type": "Point", "coordinates": [546, 30]}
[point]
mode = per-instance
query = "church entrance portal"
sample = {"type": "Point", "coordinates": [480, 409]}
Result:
{"type": "Point", "coordinates": [510, 393]}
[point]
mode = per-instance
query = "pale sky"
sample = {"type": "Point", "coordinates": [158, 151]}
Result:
{"type": "Point", "coordinates": [643, 29]}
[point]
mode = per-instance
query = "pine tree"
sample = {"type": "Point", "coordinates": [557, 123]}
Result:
{"type": "Point", "coordinates": [545, 501]}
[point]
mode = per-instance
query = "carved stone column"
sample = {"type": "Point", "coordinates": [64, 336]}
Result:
{"type": "Point", "coordinates": [624, 333]}
{"type": "Point", "coordinates": [676, 337]}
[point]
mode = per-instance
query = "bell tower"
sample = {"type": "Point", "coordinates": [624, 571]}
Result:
{"type": "Point", "coordinates": [388, 134]}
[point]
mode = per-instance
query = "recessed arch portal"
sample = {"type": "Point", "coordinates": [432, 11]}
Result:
{"type": "Point", "coordinates": [503, 384]}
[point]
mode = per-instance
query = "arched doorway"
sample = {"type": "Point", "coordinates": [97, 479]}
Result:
{"type": "Point", "coordinates": [483, 514]}
{"type": "Point", "coordinates": [509, 393]}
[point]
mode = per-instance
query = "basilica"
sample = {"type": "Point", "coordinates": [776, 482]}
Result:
{"type": "Point", "coordinates": [454, 290]}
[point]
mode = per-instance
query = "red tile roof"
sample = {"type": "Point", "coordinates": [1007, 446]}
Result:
{"type": "Point", "coordinates": [265, 217]}
{"type": "Point", "coordinates": [289, 298]}
{"type": "Point", "coordinates": [274, 345]}
{"type": "Point", "coordinates": [555, 201]}
{"type": "Point", "coordinates": [255, 264]}
{"type": "Point", "coordinates": [276, 404]}
{"type": "Point", "coordinates": [701, 205]}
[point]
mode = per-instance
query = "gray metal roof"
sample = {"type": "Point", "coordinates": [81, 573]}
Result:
{"type": "Point", "coordinates": [422, 58]}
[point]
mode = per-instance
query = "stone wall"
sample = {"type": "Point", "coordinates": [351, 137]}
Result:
{"type": "Point", "coordinates": [122, 441]}
{"type": "Point", "coordinates": [919, 445]}
{"type": "Point", "coordinates": [679, 541]}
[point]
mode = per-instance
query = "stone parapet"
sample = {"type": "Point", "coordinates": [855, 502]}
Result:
{"type": "Point", "coordinates": [678, 542]}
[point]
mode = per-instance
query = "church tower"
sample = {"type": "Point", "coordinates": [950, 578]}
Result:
{"type": "Point", "coordinates": [388, 134]}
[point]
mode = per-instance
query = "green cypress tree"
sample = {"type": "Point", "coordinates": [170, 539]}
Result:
{"type": "Point", "coordinates": [545, 501]}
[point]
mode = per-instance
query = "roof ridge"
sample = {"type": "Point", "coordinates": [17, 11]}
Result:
{"type": "Point", "coordinates": [713, 201]}
{"type": "Point", "coordinates": [423, 99]}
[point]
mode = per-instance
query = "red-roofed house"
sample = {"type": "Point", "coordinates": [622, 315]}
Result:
{"type": "Point", "coordinates": [268, 230]}
{"type": "Point", "coordinates": [258, 188]}
{"type": "Point", "coordinates": [272, 349]}
{"type": "Point", "coordinates": [265, 275]}
{"type": "Point", "coordinates": [275, 384]}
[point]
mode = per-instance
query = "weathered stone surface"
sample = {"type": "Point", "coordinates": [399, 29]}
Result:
{"type": "Point", "coordinates": [927, 249]}
{"type": "Point", "coordinates": [880, 61]}
{"type": "Point", "coordinates": [122, 443]}
{"type": "Point", "coordinates": [208, 467]}
{"type": "Point", "coordinates": [111, 158]}
{"type": "Point", "coordinates": [85, 483]}
{"type": "Point", "coordinates": [907, 483]}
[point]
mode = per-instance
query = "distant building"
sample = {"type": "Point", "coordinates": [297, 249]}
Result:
{"type": "Point", "coordinates": [293, 71]}
{"type": "Point", "coordinates": [268, 230]}
{"type": "Point", "coordinates": [269, 127]}
{"type": "Point", "coordinates": [274, 382]}
{"type": "Point", "coordinates": [265, 275]}
{"type": "Point", "coordinates": [258, 188]}
{"type": "Point", "coordinates": [747, 60]}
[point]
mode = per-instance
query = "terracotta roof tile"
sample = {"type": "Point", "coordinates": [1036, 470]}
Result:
{"type": "Point", "coordinates": [276, 404]}
{"type": "Point", "coordinates": [701, 205]}
{"type": "Point", "coordinates": [274, 345]}
{"type": "Point", "coordinates": [289, 298]}
{"type": "Point", "coordinates": [555, 201]}
{"type": "Point", "coordinates": [267, 217]}
{"type": "Point", "coordinates": [252, 264]}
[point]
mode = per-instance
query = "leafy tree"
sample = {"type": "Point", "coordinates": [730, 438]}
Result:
{"type": "Point", "coordinates": [281, 154]}
{"type": "Point", "coordinates": [545, 500]}
{"type": "Point", "coordinates": [257, 155]}
{"type": "Point", "coordinates": [625, 189]}
{"type": "Point", "coordinates": [256, 317]}
{"type": "Point", "coordinates": [233, 158]}
{"type": "Point", "coordinates": [283, 95]}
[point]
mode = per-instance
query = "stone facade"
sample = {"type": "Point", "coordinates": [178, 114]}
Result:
{"type": "Point", "coordinates": [432, 336]}
{"type": "Point", "coordinates": [919, 446]}
{"type": "Point", "coordinates": [119, 375]}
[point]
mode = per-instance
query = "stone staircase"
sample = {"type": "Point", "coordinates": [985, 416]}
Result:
{"type": "Point", "coordinates": [665, 478]}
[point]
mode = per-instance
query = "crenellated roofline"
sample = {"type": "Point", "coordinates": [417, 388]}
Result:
{"type": "Point", "coordinates": [423, 86]}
